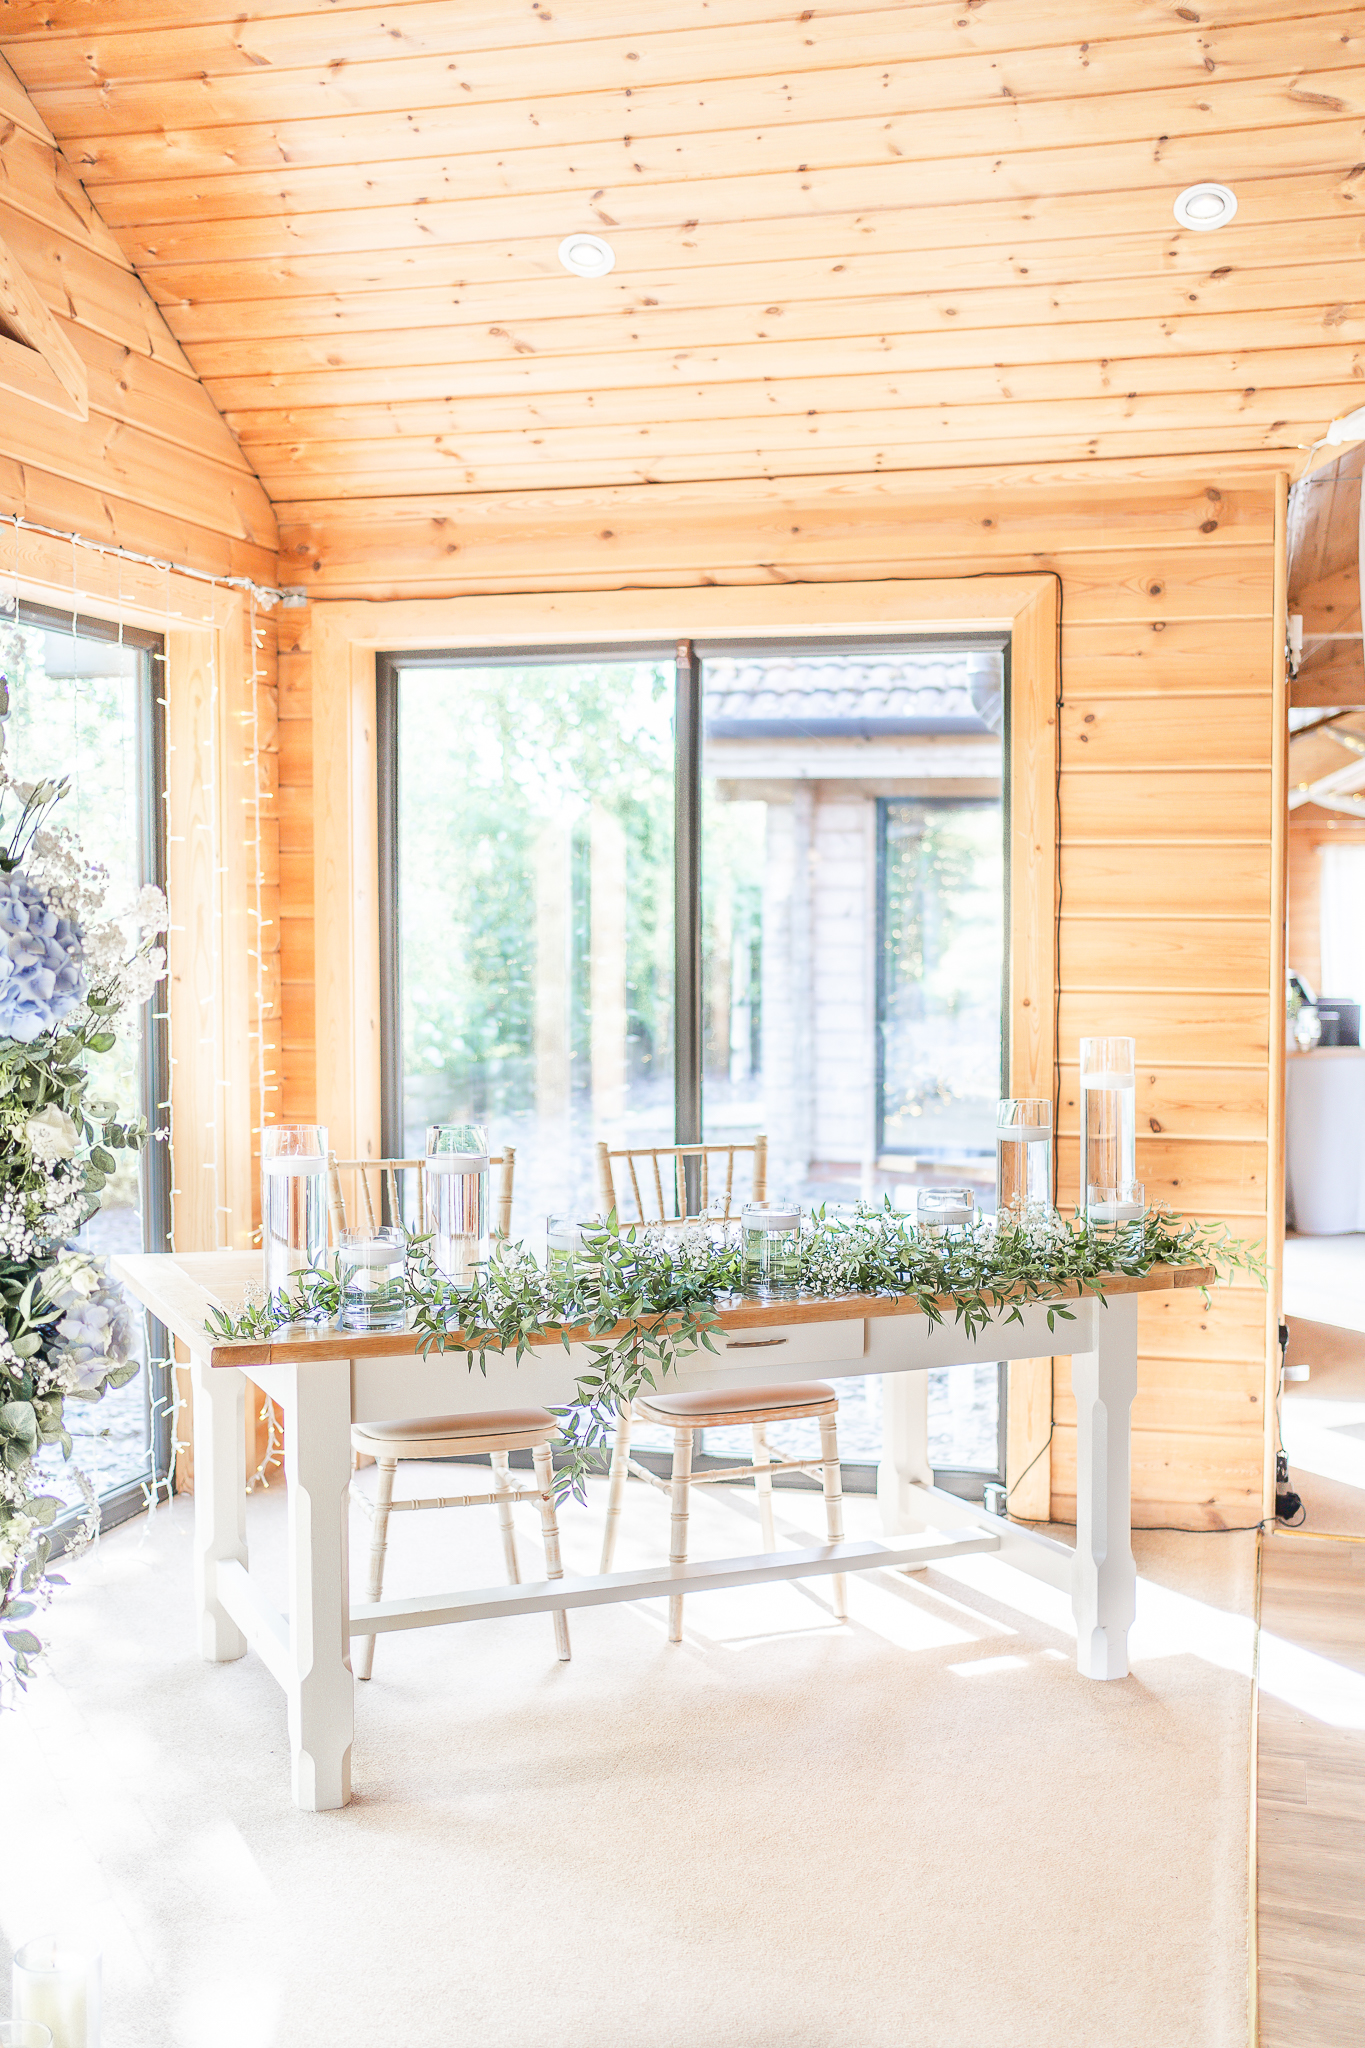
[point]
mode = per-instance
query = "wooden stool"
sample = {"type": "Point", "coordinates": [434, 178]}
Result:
{"type": "Point", "coordinates": [684, 1414]}
{"type": "Point", "coordinates": [463, 1436]}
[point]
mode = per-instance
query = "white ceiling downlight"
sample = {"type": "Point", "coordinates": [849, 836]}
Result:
{"type": "Point", "coordinates": [1205, 207]}
{"type": "Point", "coordinates": [589, 255]}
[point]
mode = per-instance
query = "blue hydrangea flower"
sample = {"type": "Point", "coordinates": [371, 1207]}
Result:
{"type": "Point", "coordinates": [42, 968]}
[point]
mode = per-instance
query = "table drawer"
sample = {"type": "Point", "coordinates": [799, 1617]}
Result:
{"type": "Point", "coordinates": [782, 1345]}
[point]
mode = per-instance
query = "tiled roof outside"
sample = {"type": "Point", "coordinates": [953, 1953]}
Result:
{"type": "Point", "coordinates": [924, 688]}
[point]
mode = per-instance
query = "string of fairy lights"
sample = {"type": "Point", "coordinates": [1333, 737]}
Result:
{"type": "Point", "coordinates": [90, 596]}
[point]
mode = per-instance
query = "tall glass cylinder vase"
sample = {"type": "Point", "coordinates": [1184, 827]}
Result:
{"type": "Point", "coordinates": [456, 1169]}
{"type": "Point", "coordinates": [293, 1199]}
{"type": "Point", "coordinates": [1023, 1157]}
{"type": "Point", "coordinates": [59, 1988]}
{"type": "Point", "coordinates": [1108, 1116]}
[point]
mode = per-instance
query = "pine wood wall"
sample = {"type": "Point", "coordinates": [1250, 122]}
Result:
{"type": "Point", "coordinates": [1171, 910]}
{"type": "Point", "coordinates": [154, 469]}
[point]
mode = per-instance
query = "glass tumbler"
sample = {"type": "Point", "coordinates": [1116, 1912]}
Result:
{"type": "Point", "coordinates": [373, 1267]}
{"type": "Point", "coordinates": [941, 1213]}
{"type": "Point", "coordinates": [456, 1168]}
{"type": "Point", "coordinates": [60, 1989]}
{"type": "Point", "coordinates": [293, 1199]}
{"type": "Point", "coordinates": [771, 1233]}
{"type": "Point", "coordinates": [563, 1246]}
{"type": "Point", "coordinates": [1023, 1156]}
{"type": "Point", "coordinates": [1108, 1113]}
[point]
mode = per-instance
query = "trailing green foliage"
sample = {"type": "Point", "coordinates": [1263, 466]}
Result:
{"type": "Point", "coordinates": [642, 1299]}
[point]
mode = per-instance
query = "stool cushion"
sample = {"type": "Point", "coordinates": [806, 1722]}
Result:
{"type": "Point", "coordinates": [447, 1436]}
{"type": "Point", "coordinates": [719, 1405]}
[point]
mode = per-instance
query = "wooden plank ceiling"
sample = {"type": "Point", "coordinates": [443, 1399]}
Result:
{"type": "Point", "coordinates": [848, 237]}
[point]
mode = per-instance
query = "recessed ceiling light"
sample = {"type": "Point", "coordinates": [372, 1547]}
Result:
{"type": "Point", "coordinates": [590, 256]}
{"type": "Point", "coordinates": [1205, 207]}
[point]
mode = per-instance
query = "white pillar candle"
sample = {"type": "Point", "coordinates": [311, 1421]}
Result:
{"type": "Point", "coordinates": [60, 1988]}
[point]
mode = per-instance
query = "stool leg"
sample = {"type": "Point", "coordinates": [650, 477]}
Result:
{"type": "Point", "coordinates": [620, 1472]}
{"type": "Point", "coordinates": [379, 1543]}
{"type": "Point", "coordinates": [834, 1502]}
{"type": "Point", "coordinates": [763, 1484]}
{"type": "Point", "coordinates": [677, 1549]}
{"type": "Point", "coordinates": [501, 1481]}
{"type": "Point", "coordinates": [549, 1529]}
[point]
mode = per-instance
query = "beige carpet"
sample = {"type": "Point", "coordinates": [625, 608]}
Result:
{"type": "Point", "coordinates": [1322, 1420]}
{"type": "Point", "coordinates": [918, 1830]}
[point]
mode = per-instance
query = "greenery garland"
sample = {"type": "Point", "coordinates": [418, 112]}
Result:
{"type": "Point", "coordinates": [645, 1298]}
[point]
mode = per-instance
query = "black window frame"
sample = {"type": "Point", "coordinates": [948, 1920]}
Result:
{"type": "Point", "coordinates": [122, 1502]}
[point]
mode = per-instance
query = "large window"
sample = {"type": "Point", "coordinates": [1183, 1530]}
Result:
{"type": "Point", "coordinates": [85, 702]}
{"type": "Point", "coordinates": [529, 809]}
{"type": "Point", "coordinates": [705, 890]}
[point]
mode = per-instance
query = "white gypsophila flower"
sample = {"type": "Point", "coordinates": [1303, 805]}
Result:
{"type": "Point", "coordinates": [150, 912]}
{"type": "Point", "coordinates": [52, 1134]}
{"type": "Point", "coordinates": [105, 948]}
{"type": "Point", "coordinates": [79, 885]}
{"type": "Point", "coordinates": [33, 1219]}
{"type": "Point", "coordinates": [140, 976]}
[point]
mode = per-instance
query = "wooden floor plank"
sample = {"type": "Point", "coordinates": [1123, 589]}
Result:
{"type": "Point", "coordinates": [1310, 1811]}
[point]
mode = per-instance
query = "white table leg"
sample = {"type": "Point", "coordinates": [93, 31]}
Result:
{"type": "Point", "coordinates": [905, 1449]}
{"type": "Point", "coordinates": [1104, 1576]}
{"type": "Point", "coordinates": [317, 1439]}
{"type": "Point", "coordinates": [219, 1501]}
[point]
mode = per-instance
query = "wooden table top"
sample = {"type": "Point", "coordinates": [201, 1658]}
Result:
{"type": "Point", "coordinates": [180, 1287]}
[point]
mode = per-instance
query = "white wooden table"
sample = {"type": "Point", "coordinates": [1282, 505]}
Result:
{"type": "Point", "coordinates": [325, 1379]}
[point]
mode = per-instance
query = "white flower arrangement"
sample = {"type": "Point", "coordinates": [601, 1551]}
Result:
{"type": "Point", "coordinates": [70, 971]}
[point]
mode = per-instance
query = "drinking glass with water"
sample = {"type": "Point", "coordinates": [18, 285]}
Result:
{"type": "Point", "coordinates": [1023, 1157]}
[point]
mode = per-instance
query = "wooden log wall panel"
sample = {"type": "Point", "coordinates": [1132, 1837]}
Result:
{"type": "Point", "coordinates": [154, 467]}
{"type": "Point", "coordinates": [1182, 1102]}
{"type": "Point", "coordinates": [1167, 734]}
{"type": "Point", "coordinates": [1177, 1028]}
{"type": "Point", "coordinates": [1161, 954]}
{"type": "Point", "coordinates": [350, 218]}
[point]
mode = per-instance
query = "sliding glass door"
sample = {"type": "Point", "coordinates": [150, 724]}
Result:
{"type": "Point", "coordinates": [704, 890]}
{"type": "Point", "coordinates": [86, 702]}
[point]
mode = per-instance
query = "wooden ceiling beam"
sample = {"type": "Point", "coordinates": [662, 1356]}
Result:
{"type": "Point", "coordinates": [485, 22]}
{"type": "Point", "coordinates": [734, 417]}
{"type": "Point", "coordinates": [650, 530]}
{"type": "Point", "coordinates": [725, 305]}
{"type": "Point", "coordinates": [788, 376]}
{"type": "Point", "coordinates": [911, 109]}
{"type": "Point", "coordinates": [828, 257]}
{"type": "Point", "coordinates": [515, 463]}
{"type": "Point", "coordinates": [799, 339]}
{"type": "Point", "coordinates": [1054, 193]}
{"type": "Point", "coordinates": [322, 65]}
{"type": "Point", "coordinates": [928, 137]}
